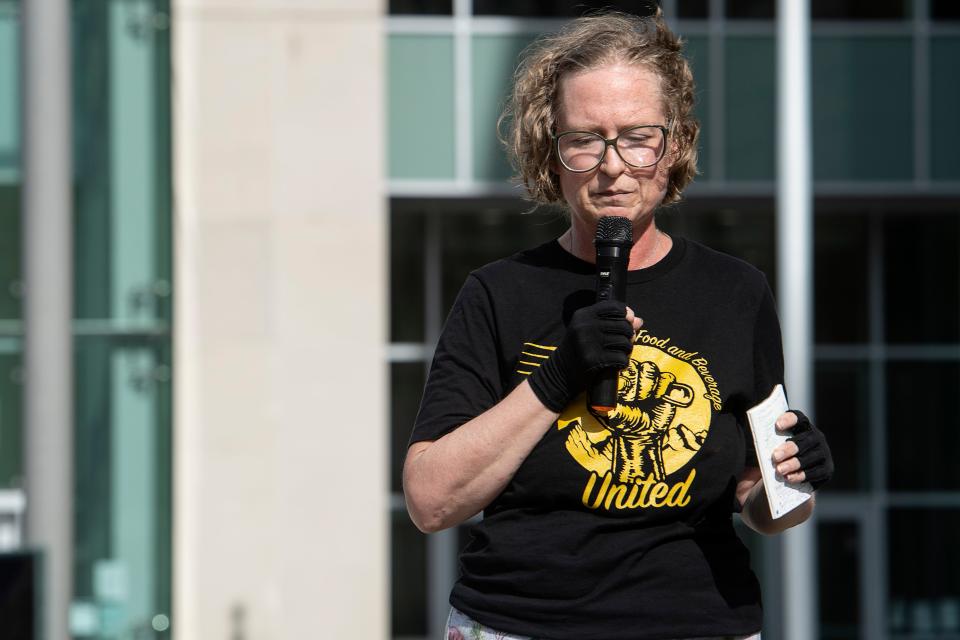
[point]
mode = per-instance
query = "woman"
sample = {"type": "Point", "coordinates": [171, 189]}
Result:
{"type": "Point", "coordinates": [605, 525]}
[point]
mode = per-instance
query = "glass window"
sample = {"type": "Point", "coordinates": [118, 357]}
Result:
{"type": "Point", "coordinates": [840, 273]}
{"type": "Point", "coordinates": [420, 106]}
{"type": "Point", "coordinates": [407, 230]}
{"type": "Point", "coordinates": [406, 387]}
{"type": "Point", "coordinates": [19, 609]}
{"type": "Point", "coordinates": [747, 233]}
{"type": "Point", "coordinates": [494, 61]}
{"type": "Point", "coordinates": [9, 93]}
{"type": "Point", "coordinates": [10, 236]}
{"type": "Point", "coordinates": [11, 389]}
{"type": "Point", "coordinates": [122, 200]}
{"type": "Point", "coordinates": [471, 240]}
{"type": "Point", "coordinates": [750, 108]}
{"type": "Point", "coordinates": [751, 9]}
{"type": "Point", "coordinates": [862, 108]}
{"type": "Point", "coordinates": [838, 555]}
{"type": "Point", "coordinates": [122, 468]}
{"type": "Point", "coordinates": [698, 52]}
{"type": "Point", "coordinates": [122, 240]}
{"type": "Point", "coordinates": [924, 584]}
{"type": "Point", "coordinates": [557, 9]}
{"type": "Point", "coordinates": [944, 10]}
{"type": "Point", "coordinates": [843, 414]}
{"type": "Point", "coordinates": [695, 9]}
{"type": "Point", "coordinates": [923, 432]}
{"type": "Point", "coordinates": [408, 576]}
{"type": "Point", "coordinates": [858, 9]}
{"type": "Point", "coordinates": [922, 278]}
{"type": "Point", "coordinates": [436, 7]}
{"type": "Point", "coordinates": [944, 106]}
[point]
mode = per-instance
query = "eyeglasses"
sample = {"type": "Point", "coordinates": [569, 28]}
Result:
{"type": "Point", "coordinates": [639, 147]}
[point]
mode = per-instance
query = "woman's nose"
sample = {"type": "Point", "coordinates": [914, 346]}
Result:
{"type": "Point", "coordinates": [612, 164]}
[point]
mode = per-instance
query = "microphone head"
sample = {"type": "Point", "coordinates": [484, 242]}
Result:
{"type": "Point", "coordinates": [614, 230]}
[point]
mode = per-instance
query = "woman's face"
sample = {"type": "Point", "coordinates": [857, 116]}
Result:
{"type": "Point", "coordinates": [608, 100]}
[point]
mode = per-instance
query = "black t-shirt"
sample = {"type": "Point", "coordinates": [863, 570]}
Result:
{"type": "Point", "coordinates": [601, 535]}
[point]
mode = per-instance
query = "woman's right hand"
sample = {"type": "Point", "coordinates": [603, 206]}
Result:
{"type": "Point", "coordinates": [598, 337]}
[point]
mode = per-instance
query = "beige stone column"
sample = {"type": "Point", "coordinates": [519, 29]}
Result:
{"type": "Point", "coordinates": [280, 454]}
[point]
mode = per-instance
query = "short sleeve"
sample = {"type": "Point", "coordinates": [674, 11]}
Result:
{"type": "Point", "coordinates": [464, 379]}
{"type": "Point", "coordinates": [767, 358]}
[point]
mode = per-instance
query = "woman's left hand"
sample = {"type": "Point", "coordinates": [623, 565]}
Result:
{"type": "Point", "coordinates": [806, 455]}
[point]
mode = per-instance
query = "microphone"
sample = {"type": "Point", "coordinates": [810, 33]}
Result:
{"type": "Point", "coordinates": [613, 242]}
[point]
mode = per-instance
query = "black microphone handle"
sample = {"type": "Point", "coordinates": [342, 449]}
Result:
{"type": "Point", "coordinates": [611, 285]}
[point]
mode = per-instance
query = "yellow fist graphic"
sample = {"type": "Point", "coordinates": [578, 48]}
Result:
{"type": "Point", "coordinates": [660, 421]}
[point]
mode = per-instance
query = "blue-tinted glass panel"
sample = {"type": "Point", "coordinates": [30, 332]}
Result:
{"type": "Point", "coordinates": [123, 294]}
{"type": "Point", "coordinates": [494, 61]}
{"type": "Point", "coordinates": [750, 106]}
{"type": "Point", "coordinates": [698, 52]}
{"type": "Point", "coordinates": [121, 164]}
{"type": "Point", "coordinates": [9, 93]}
{"type": "Point", "coordinates": [862, 108]}
{"type": "Point", "coordinates": [945, 107]}
{"type": "Point", "coordinates": [420, 94]}
{"type": "Point", "coordinates": [122, 455]}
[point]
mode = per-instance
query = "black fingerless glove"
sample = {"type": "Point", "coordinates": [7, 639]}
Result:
{"type": "Point", "coordinates": [813, 451]}
{"type": "Point", "coordinates": [598, 337]}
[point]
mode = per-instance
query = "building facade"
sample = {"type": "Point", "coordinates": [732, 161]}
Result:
{"type": "Point", "coordinates": [227, 152]}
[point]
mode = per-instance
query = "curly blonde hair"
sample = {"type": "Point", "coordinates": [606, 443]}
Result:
{"type": "Point", "coordinates": [528, 122]}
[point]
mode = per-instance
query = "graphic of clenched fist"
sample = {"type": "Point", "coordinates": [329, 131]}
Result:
{"type": "Point", "coordinates": [648, 399]}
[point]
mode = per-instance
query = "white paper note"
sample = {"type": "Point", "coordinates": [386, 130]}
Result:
{"type": "Point", "coordinates": [782, 496]}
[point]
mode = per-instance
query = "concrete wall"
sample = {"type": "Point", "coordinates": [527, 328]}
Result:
{"type": "Point", "coordinates": [280, 456]}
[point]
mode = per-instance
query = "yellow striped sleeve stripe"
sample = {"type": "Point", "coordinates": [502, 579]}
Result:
{"type": "Point", "coordinates": [539, 346]}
